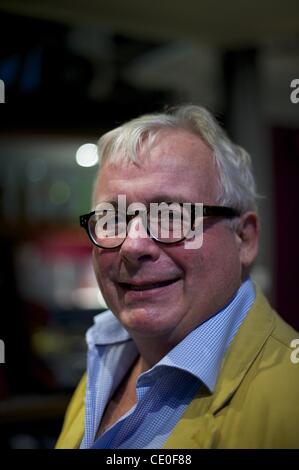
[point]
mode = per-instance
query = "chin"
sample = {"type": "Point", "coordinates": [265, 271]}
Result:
{"type": "Point", "coordinates": [145, 322]}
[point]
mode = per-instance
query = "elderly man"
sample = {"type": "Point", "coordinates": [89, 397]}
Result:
{"type": "Point", "coordinates": [190, 354]}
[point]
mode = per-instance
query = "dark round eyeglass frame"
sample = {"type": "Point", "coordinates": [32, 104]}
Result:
{"type": "Point", "coordinates": [208, 211]}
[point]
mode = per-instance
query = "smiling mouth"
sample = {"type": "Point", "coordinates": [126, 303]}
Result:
{"type": "Point", "coordinates": [155, 285]}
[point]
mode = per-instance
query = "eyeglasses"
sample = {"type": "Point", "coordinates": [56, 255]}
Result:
{"type": "Point", "coordinates": [171, 223]}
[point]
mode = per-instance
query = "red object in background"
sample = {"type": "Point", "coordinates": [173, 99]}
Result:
{"type": "Point", "coordinates": [286, 180]}
{"type": "Point", "coordinates": [68, 243]}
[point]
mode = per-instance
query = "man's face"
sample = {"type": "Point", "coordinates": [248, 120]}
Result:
{"type": "Point", "coordinates": [132, 277]}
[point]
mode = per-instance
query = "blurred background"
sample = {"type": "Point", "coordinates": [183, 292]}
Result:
{"type": "Point", "coordinates": [73, 70]}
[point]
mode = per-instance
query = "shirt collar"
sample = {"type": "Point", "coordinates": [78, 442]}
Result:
{"type": "Point", "coordinates": [107, 330]}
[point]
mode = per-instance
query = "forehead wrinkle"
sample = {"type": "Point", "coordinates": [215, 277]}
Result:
{"type": "Point", "coordinates": [147, 192]}
{"type": "Point", "coordinates": [164, 170]}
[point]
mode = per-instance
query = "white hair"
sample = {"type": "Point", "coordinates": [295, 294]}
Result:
{"type": "Point", "coordinates": [233, 163]}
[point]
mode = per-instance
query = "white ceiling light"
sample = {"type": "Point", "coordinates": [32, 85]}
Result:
{"type": "Point", "coordinates": [86, 155]}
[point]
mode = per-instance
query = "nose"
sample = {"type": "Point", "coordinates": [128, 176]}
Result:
{"type": "Point", "coordinates": [138, 246]}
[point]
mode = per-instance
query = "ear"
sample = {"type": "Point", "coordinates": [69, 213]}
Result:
{"type": "Point", "coordinates": [248, 237]}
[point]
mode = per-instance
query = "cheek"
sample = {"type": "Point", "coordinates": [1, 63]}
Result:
{"type": "Point", "coordinates": [221, 262]}
{"type": "Point", "coordinates": [102, 262]}
{"type": "Point", "coordinates": [190, 263]}
{"type": "Point", "coordinates": [95, 261]}
{"type": "Point", "coordinates": [213, 260]}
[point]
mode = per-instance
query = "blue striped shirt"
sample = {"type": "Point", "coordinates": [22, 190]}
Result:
{"type": "Point", "coordinates": [163, 392]}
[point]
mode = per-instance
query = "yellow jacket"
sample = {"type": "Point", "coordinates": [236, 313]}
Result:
{"type": "Point", "coordinates": [256, 400]}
